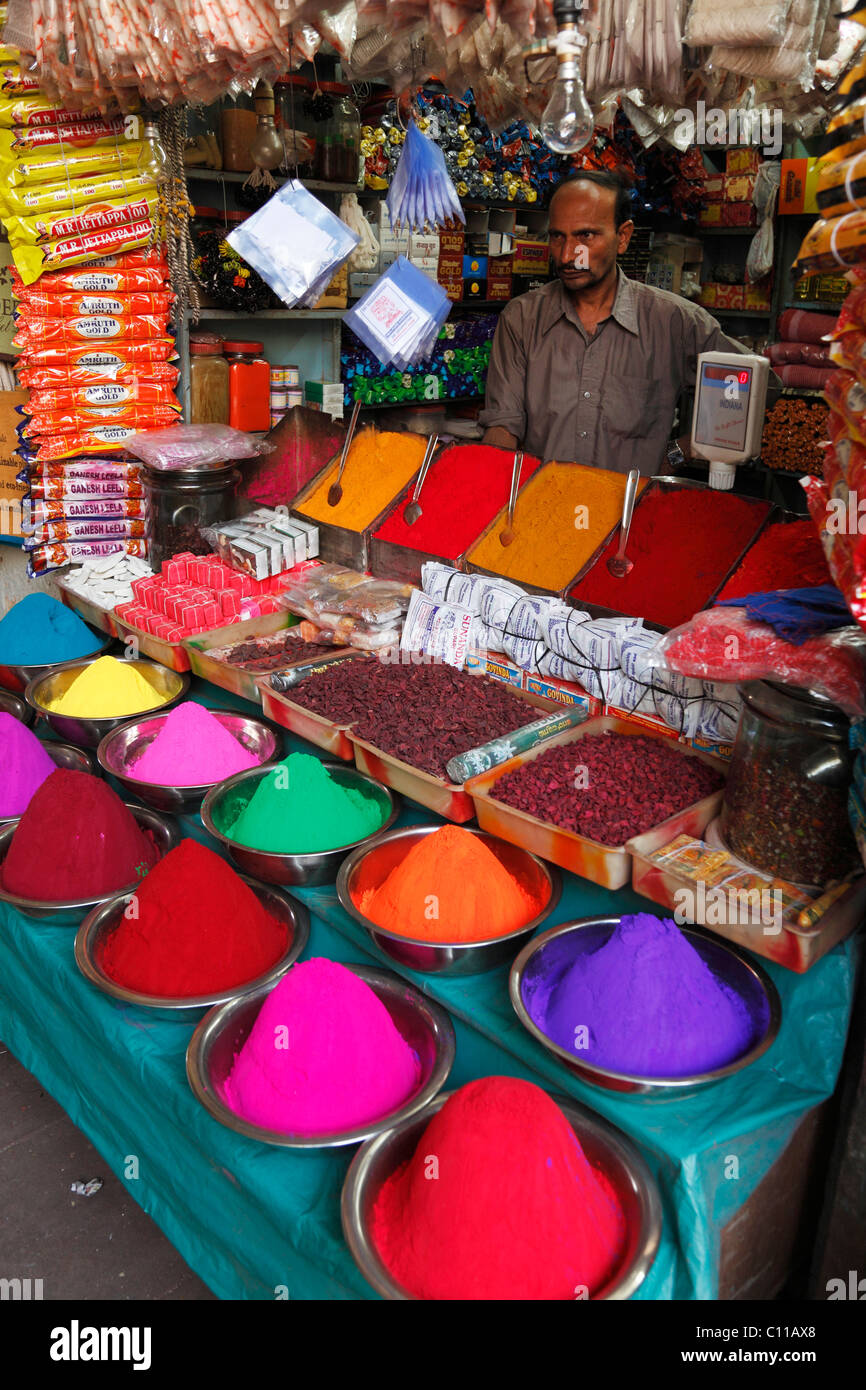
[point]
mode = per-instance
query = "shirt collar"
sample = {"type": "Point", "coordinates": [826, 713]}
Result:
{"type": "Point", "coordinates": [624, 309]}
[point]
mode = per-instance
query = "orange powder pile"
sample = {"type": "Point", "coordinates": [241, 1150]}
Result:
{"type": "Point", "coordinates": [378, 466]}
{"type": "Point", "coordinates": [562, 515]}
{"type": "Point", "coordinates": [450, 887]}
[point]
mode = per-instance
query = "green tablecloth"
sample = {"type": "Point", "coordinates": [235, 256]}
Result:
{"type": "Point", "coordinates": [252, 1220]}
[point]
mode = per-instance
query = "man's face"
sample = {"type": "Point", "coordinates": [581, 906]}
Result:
{"type": "Point", "coordinates": [584, 243]}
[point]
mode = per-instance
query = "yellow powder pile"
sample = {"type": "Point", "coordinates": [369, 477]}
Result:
{"type": "Point", "coordinates": [378, 466]}
{"type": "Point", "coordinates": [108, 688]}
{"type": "Point", "coordinates": [562, 515]}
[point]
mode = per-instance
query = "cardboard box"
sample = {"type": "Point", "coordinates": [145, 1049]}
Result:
{"type": "Point", "coordinates": [451, 242]}
{"type": "Point", "coordinates": [423, 247]}
{"type": "Point", "coordinates": [714, 188]}
{"type": "Point", "coordinates": [453, 288]}
{"type": "Point", "coordinates": [562, 692]}
{"type": "Point", "coordinates": [745, 160]}
{"type": "Point", "coordinates": [739, 214]}
{"type": "Point", "coordinates": [530, 257]}
{"type": "Point", "coordinates": [474, 289]}
{"type": "Point", "coordinates": [646, 721]}
{"type": "Point", "coordinates": [450, 265]}
{"type": "Point", "coordinates": [11, 492]}
{"type": "Point", "coordinates": [798, 187]}
{"type": "Point", "coordinates": [326, 396]}
{"type": "Point", "coordinates": [711, 215]}
{"type": "Point", "coordinates": [360, 281]}
{"type": "Point", "coordinates": [758, 296]}
{"type": "Point", "coordinates": [336, 294]}
{"type": "Point", "coordinates": [739, 188]}
{"type": "Point", "coordinates": [474, 267]}
{"type": "Point", "coordinates": [709, 293]}
{"type": "Point", "coordinates": [730, 296]}
{"type": "Point", "coordinates": [497, 665]}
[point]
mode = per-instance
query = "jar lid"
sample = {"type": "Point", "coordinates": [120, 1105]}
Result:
{"type": "Point", "coordinates": [339, 87]}
{"type": "Point", "coordinates": [796, 705]}
{"type": "Point", "coordinates": [233, 346]}
{"type": "Point", "coordinates": [204, 348]}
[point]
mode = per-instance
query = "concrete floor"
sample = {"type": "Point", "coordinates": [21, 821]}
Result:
{"type": "Point", "coordinates": [82, 1248]}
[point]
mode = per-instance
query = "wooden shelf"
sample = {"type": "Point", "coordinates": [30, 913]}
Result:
{"type": "Point", "coordinates": [315, 185]}
{"type": "Point", "coordinates": [726, 231]}
{"type": "Point", "coordinates": [309, 314]}
{"type": "Point", "coordinates": [740, 313]}
{"type": "Point", "coordinates": [820, 306]}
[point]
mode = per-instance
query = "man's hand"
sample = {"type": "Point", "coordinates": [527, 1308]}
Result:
{"type": "Point", "coordinates": [500, 437]}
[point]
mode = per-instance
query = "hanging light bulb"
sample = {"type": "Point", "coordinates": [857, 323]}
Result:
{"type": "Point", "coordinates": [266, 147]}
{"type": "Point", "coordinates": [153, 159]}
{"type": "Point", "coordinates": [567, 123]}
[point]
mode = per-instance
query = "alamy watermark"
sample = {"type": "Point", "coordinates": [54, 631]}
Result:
{"type": "Point", "coordinates": [736, 126]}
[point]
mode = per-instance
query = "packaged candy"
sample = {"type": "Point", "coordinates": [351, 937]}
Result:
{"type": "Point", "coordinates": [104, 439]}
{"type": "Point", "coordinates": [35, 229]}
{"type": "Point", "coordinates": [41, 110]}
{"type": "Point", "coordinates": [41, 333]}
{"type": "Point", "coordinates": [74, 378]}
{"type": "Point", "coordinates": [31, 261]}
{"type": "Point", "coordinates": [90, 134]}
{"type": "Point", "coordinates": [56, 555]}
{"type": "Point", "coordinates": [142, 417]}
{"type": "Point", "coordinates": [63, 306]}
{"type": "Point", "coordinates": [43, 510]}
{"type": "Point", "coordinates": [831, 242]}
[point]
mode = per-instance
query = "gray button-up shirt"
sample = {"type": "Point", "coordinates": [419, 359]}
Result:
{"type": "Point", "coordinates": [607, 399]}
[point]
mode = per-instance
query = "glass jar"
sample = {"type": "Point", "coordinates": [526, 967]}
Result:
{"type": "Point", "coordinates": [237, 127]}
{"type": "Point", "coordinates": [296, 123]}
{"type": "Point", "coordinates": [208, 381]}
{"type": "Point", "coordinates": [785, 807]}
{"type": "Point", "coordinates": [338, 149]}
{"type": "Point", "coordinates": [249, 386]}
{"type": "Point", "coordinates": [181, 502]}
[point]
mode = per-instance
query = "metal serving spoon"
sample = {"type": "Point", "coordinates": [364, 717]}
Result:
{"type": "Point", "coordinates": [507, 536]}
{"type": "Point", "coordinates": [413, 511]}
{"type": "Point", "coordinates": [618, 565]}
{"type": "Point", "coordinates": [335, 491]}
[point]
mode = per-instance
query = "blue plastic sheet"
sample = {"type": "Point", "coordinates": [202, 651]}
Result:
{"type": "Point", "coordinates": [253, 1221]}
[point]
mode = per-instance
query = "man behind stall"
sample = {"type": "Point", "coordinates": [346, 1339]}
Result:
{"type": "Point", "coordinates": [590, 366]}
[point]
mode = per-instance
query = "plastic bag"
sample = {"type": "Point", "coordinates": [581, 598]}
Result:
{"type": "Point", "coordinates": [421, 195]}
{"type": "Point", "coordinates": [366, 254]}
{"type": "Point", "coordinates": [759, 261]}
{"type": "Point", "coordinates": [194, 446]}
{"type": "Point", "coordinates": [295, 243]}
{"type": "Point", "coordinates": [399, 318]}
{"type": "Point", "coordinates": [747, 23]}
{"type": "Point", "coordinates": [832, 242]}
{"type": "Point", "coordinates": [722, 644]}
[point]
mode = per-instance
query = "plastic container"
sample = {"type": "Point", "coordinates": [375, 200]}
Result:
{"type": "Point", "coordinates": [183, 501]}
{"type": "Point", "coordinates": [237, 128]}
{"type": "Point", "coordinates": [292, 94]}
{"type": "Point", "coordinates": [208, 382]}
{"type": "Point", "coordinates": [785, 808]}
{"type": "Point", "coordinates": [249, 386]}
{"type": "Point", "coordinates": [338, 147]}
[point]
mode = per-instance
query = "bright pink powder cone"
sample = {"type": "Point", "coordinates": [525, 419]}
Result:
{"type": "Point", "coordinates": [323, 1055]}
{"type": "Point", "coordinates": [24, 766]}
{"type": "Point", "coordinates": [192, 748]}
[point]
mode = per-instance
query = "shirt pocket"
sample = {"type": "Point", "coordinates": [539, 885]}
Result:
{"type": "Point", "coordinates": [633, 405]}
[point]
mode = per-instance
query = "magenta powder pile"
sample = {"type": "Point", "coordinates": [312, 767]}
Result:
{"type": "Point", "coordinates": [323, 1055]}
{"type": "Point", "coordinates": [24, 766]}
{"type": "Point", "coordinates": [643, 1003]}
{"type": "Point", "coordinates": [191, 749]}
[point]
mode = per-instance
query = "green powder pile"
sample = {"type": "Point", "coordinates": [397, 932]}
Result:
{"type": "Point", "coordinates": [299, 809]}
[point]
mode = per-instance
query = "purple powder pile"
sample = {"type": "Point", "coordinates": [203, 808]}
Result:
{"type": "Point", "coordinates": [649, 1004]}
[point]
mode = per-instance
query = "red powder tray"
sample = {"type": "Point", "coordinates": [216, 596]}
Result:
{"type": "Point", "coordinates": [608, 865]}
{"type": "Point", "coordinates": [222, 673]}
{"type": "Point", "coordinates": [447, 799]}
{"type": "Point", "coordinates": [795, 948]}
{"type": "Point", "coordinates": [102, 618]}
{"type": "Point", "coordinates": [669, 483]}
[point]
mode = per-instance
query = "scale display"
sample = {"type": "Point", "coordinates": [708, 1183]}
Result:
{"type": "Point", "coordinates": [722, 414]}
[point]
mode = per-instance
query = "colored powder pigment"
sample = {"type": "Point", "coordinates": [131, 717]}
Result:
{"type": "Point", "coordinates": [644, 1003]}
{"type": "Point", "coordinates": [683, 542]}
{"type": "Point", "coordinates": [197, 929]}
{"type": "Point", "coordinates": [378, 466]}
{"type": "Point", "coordinates": [463, 491]}
{"type": "Point", "coordinates": [24, 766]}
{"type": "Point", "coordinates": [76, 841]}
{"type": "Point", "coordinates": [562, 516]}
{"type": "Point", "coordinates": [107, 689]}
{"type": "Point", "coordinates": [450, 887]}
{"type": "Point", "coordinates": [608, 786]}
{"type": "Point", "coordinates": [783, 557]}
{"type": "Point", "coordinates": [516, 1210]}
{"type": "Point", "coordinates": [298, 808]}
{"type": "Point", "coordinates": [191, 749]}
{"type": "Point", "coordinates": [41, 631]}
{"type": "Point", "coordinates": [344, 1063]}
{"type": "Point", "coordinates": [423, 715]}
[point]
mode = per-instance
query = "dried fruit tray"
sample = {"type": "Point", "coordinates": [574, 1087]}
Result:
{"type": "Point", "coordinates": [202, 652]}
{"type": "Point", "coordinates": [306, 723]}
{"type": "Point", "coordinates": [608, 865]}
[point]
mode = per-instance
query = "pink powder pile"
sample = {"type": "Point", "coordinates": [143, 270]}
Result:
{"type": "Point", "coordinates": [24, 766]}
{"type": "Point", "coordinates": [323, 1055]}
{"type": "Point", "coordinates": [192, 748]}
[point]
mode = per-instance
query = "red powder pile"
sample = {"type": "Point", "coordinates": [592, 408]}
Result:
{"type": "Point", "coordinates": [463, 491]}
{"type": "Point", "coordinates": [498, 1201]}
{"type": "Point", "coordinates": [75, 841]}
{"type": "Point", "coordinates": [783, 557]}
{"type": "Point", "coordinates": [193, 928]}
{"type": "Point", "coordinates": [682, 542]}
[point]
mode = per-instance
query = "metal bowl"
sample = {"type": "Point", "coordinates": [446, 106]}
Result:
{"type": "Point", "coordinates": [64, 755]}
{"type": "Point", "coordinates": [165, 833]}
{"type": "Point", "coordinates": [605, 1147]}
{"type": "Point", "coordinates": [559, 947]}
{"type": "Point", "coordinates": [95, 929]}
{"type": "Point", "coordinates": [89, 733]}
{"type": "Point", "coordinates": [17, 678]}
{"type": "Point", "coordinates": [286, 870]}
{"type": "Point", "coordinates": [119, 749]}
{"type": "Point", "coordinates": [370, 865]}
{"type": "Point", "coordinates": [425, 1025]}
{"type": "Point", "coordinates": [18, 708]}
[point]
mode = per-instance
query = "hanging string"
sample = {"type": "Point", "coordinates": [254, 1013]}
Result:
{"type": "Point", "coordinates": [176, 212]}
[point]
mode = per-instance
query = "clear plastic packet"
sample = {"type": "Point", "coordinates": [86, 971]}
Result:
{"type": "Point", "coordinates": [194, 446]}
{"type": "Point", "coordinates": [399, 317]}
{"type": "Point", "coordinates": [58, 554]}
{"type": "Point", "coordinates": [295, 243]}
{"type": "Point", "coordinates": [33, 261]}
{"type": "Point", "coordinates": [36, 332]}
{"type": "Point", "coordinates": [421, 194]}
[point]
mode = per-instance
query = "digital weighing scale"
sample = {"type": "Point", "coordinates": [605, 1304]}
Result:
{"type": "Point", "coordinates": [728, 418]}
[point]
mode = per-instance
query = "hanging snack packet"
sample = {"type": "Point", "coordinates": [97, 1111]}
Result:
{"type": "Point", "coordinates": [43, 227]}
{"type": "Point", "coordinates": [40, 333]}
{"type": "Point", "coordinates": [148, 280]}
{"type": "Point", "coordinates": [832, 242]}
{"type": "Point", "coordinates": [69, 381]}
{"type": "Point", "coordinates": [31, 261]}
{"type": "Point", "coordinates": [48, 198]}
{"type": "Point", "coordinates": [54, 557]}
{"type": "Point", "coordinates": [41, 110]}
{"type": "Point", "coordinates": [101, 394]}
{"type": "Point", "coordinates": [143, 417]}
{"type": "Point", "coordinates": [73, 306]}
{"type": "Point", "coordinates": [110, 364]}
{"type": "Point", "coordinates": [53, 166]}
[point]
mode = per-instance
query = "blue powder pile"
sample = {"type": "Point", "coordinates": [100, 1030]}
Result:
{"type": "Point", "coordinates": [651, 1006]}
{"type": "Point", "coordinates": [40, 630]}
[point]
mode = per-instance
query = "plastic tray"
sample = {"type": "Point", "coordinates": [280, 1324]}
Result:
{"type": "Point", "coordinates": [92, 613]}
{"type": "Point", "coordinates": [222, 673]}
{"type": "Point", "coordinates": [796, 948]}
{"type": "Point", "coordinates": [170, 654]}
{"type": "Point", "coordinates": [608, 865]}
{"type": "Point", "coordinates": [306, 723]}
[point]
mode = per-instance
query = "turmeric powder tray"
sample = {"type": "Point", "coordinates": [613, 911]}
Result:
{"type": "Point", "coordinates": [606, 864]}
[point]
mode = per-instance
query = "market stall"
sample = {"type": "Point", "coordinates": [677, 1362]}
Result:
{"type": "Point", "coordinates": [395, 791]}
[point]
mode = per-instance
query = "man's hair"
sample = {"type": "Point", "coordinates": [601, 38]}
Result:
{"type": "Point", "coordinates": [604, 178]}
